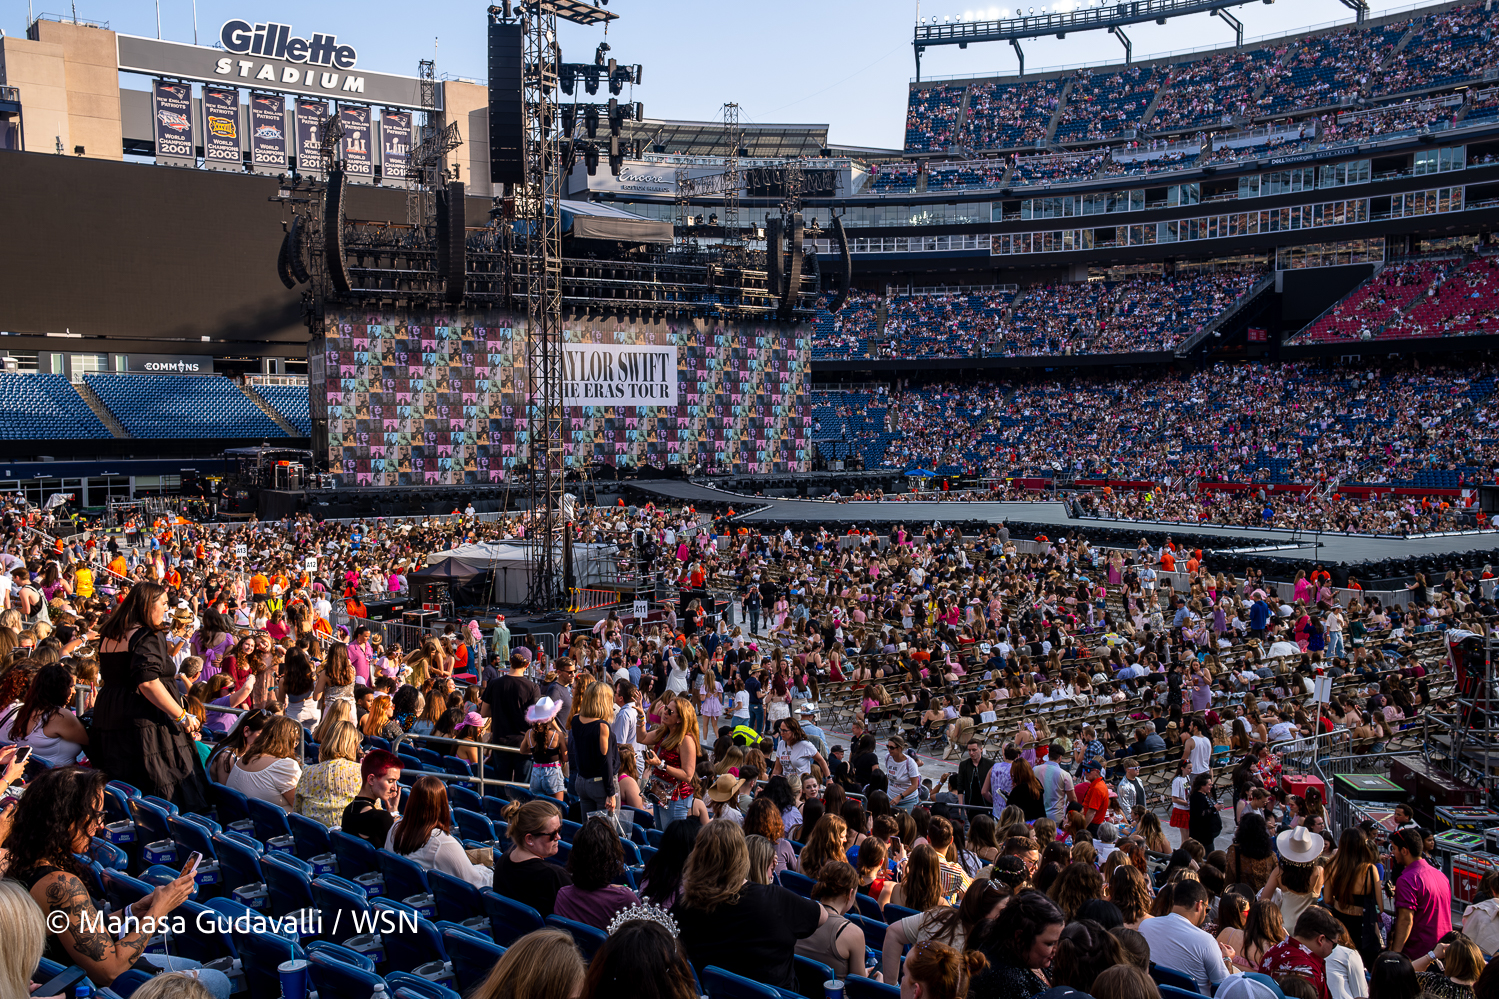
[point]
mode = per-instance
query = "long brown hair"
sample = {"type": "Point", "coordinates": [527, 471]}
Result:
{"type": "Point", "coordinates": [717, 867]}
{"type": "Point", "coordinates": [764, 819]}
{"type": "Point", "coordinates": [686, 725]}
{"type": "Point", "coordinates": [544, 964]}
{"type": "Point", "coordinates": [132, 613]}
{"type": "Point", "coordinates": [825, 844]}
{"type": "Point", "coordinates": [337, 665]}
{"type": "Point", "coordinates": [922, 886]}
{"type": "Point", "coordinates": [426, 809]}
{"type": "Point", "coordinates": [1022, 775]}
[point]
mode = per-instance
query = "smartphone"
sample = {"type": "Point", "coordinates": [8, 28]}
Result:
{"type": "Point", "coordinates": [22, 754]}
{"type": "Point", "coordinates": [191, 866]}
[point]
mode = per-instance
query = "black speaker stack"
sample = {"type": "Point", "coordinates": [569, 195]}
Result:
{"type": "Point", "coordinates": [452, 264]}
{"type": "Point", "coordinates": [333, 234]}
{"type": "Point", "coordinates": [507, 163]}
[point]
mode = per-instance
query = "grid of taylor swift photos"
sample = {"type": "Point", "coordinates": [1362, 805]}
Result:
{"type": "Point", "coordinates": [442, 399]}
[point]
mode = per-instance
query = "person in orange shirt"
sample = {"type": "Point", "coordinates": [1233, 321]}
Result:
{"type": "Point", "coordinates": [699, 577]}
{"type": "Point", "coordinates": [118, 566]}
{"type": "Point", "coordinates": [173, 577]}
{"type": "Point", "coordinates": [1168, 560]}
{"type": "Point", "coordinates": [259, 584]}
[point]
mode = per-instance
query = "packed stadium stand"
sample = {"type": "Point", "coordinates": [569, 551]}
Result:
{"type": "Point", "coordinates": [173, 406]}
{"type": "Point", "coordinates": [1341, 68]}
{"type": "Point", "coordinates": [35, 407]}
{"type": "Point", "coordinates": [1417, 298]}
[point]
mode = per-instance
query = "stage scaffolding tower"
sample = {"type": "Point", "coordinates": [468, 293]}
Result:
{"type": "Point", "coordinates": [539, 211]}
{"type": "Point", "coordinates": [733, 236]}
{"type": "Point", "coordinates": [1474, 749]}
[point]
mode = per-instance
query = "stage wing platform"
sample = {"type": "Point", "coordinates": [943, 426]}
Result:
{"type": "Point", "coordinates": [1310, 546]}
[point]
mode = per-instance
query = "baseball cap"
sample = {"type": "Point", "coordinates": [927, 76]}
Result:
{"type": "Point", "coordinates": [1249, 985]}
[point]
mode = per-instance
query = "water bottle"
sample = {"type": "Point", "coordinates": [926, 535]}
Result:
{"type": "Point", "coordinates": [380, 992]}
{"type": "Point", "coordinates": [84, 989]}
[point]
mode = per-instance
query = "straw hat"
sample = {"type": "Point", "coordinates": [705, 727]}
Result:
{"type": "Point", "coordinates": [723, 788]}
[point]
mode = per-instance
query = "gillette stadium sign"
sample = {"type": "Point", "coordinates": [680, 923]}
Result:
{"type": "Point", "coordinates": [269, 56]}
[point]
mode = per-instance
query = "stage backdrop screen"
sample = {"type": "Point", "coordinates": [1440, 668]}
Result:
{"type": "Point", "coordinates": [420, 399]}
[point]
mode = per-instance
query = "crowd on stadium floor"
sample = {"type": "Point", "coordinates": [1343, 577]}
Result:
{"type": "Point", "coordinates": [1042, 860]}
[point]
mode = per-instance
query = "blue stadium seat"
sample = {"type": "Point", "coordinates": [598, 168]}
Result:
{"type": "Point", "coordinates": [473, 957]}
{"type": "Point", "coordinates": [473, 825]}
{"type": "Point", "coordinates": [509, 920]}
{"type": "Point", "coordinates": [332, 976]}
{"type": "Point", "coordinates": [410, 941]}
{"type": "Point", "coordinates": [455, 898]}
{"type": "Point", "coordinates": [723, 984]}
{"type": "Point", "coordinates": [463, 797]}
{"type": "Point", "coordinates": [291, 401]}
{"type": "Point", "coordinates": [588, 938]}
{"type": "Point", "coordinates": [197, 943]}
{"type": "Point", "coordinates": [404, 877]}
{"type": "Point", "coordinates": [45, 407]}
{"type": "Point", "coordinates": [288, 881]}
{"type": "Point", "coordinates": [238, 864]}
{"type": "Point", "coordinates": [405, 985]}
{"type": "Point", "coordinates": [859, 987]}
{"type": "Point", "coordinates": [799, 883]}
{"type": "Point", "coordinates": [1170, 976]}
{"type": "Point", "coordinates": [311, 836]}
{"type": "Point", "coordinates": [231, 805]}
{"type": "Point", "coordinates": [270, 820]}
{"type": "Point", "coordinates": [874, 929]}
{"type": "Point", "coordinates": [181, 406]}
{"type": "Point", "coordinates": [895, 913]}
{"type": "Point", "coordinates": [344, 911]}
{"type": "Point", "coordinates": [121, 889]}
{"type": "Point", "coordinates": [260, 954]}
{"type": "Point", "coordinates": [810, 976]}
{"type": "Point", "coordinates": [355, 855]}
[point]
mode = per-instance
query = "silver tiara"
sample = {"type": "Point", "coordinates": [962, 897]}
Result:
{"type": "Point", "coordinates": [643, 911]}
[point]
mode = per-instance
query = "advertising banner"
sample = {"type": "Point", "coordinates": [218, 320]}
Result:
{"type": "Point", "coordinates": [221, 129]}
{"type": "Point", "coordinates": [359, 163]}
{"type": "Point", "coordinates": [172, 110]}
{"type": "Point", "coordinates": [596, 374]}
{"type": "Point", "coordinates": [395, 147]}
{"type": "Point", "coordinates": [268, 133]}
{"type": "Point", "coordinates": [310, 118]}
{"type": "Point", "coordinates": [176, 364]}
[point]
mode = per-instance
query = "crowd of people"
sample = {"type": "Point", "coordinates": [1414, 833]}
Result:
{"type": "Point", "coordinates": [1101, 105]}
{"type": "Point", "coordinates": [1418, 427]}
{"type": "Point", "coordinates": [1146, 313]}
{"type": "Point", "coordinates": [1001, 116]}
{"type": "Point", "coordinates": [1207, 92]}
{"type": "Point", "coordinates": [128, 656]}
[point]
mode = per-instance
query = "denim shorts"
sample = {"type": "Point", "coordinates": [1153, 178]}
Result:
{"type": "Point", "coordinates": [546, 779]}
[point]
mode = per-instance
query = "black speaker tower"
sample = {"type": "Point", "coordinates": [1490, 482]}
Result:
{"type": "Point", "coordinates": [452, 262]}
{"type": "Point", "coordinates": [333, 234]}
{"type": "Point", "coordinates": [507, 163]}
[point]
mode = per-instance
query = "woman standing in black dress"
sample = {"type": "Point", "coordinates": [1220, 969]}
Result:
{"type": "Point", "coordinates": [141, 734]}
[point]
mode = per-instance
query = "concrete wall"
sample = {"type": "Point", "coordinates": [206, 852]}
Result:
{"type": "Point", "coordinates": [37, 70]}
{"type": "Point", "coordinates": [70, 88]}
{"type": "Point", "coordinates": [468, 105]}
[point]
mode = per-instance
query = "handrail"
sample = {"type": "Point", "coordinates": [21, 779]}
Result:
{"type": "Point", "coordinates": [1261, 286]}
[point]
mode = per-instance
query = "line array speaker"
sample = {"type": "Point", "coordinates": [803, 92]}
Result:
{"type": "Point", "coordinates": [296, 252]}
{"type": "Point", "coordinates": [773, 257]}
{"type": "Point", "coordinates": [793, 269]}
{"type": "Point", "coordinates": [845, 271]}
{"type": "Point", "coordinates": [507, 161]}
{"type": "Point", "coordinates": [283, 263]}
{"type": "Point", "coordinates": [452, 260]}
{"type": "Point", "coordinates": [333, 234]}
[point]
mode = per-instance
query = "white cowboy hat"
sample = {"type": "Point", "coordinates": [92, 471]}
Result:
{"type": "Point", "coordinates": [1299, 845]}
{"type": "Point", "coordinates": [543, 710]}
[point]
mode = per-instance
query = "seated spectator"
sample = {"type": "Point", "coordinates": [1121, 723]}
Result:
{"type": "Point", "coordinates": [45, 722]}
{"type": "Point", "coordinates": [641, 959]}
{"type": "Point", "coordinates": [524, 873]}
{"type": "Point", "coordinates": [424, 834]}
{"type": "Point", "coordinates": [595, 862]}
{"type": "Point", "coordinates": [543, 964]}
{"type": "Point", "coordinates": [271, 767]}
{"type": "Point", "coordinates": [325, 790]}
{"type": "Point", "coordinates": [376, 806]}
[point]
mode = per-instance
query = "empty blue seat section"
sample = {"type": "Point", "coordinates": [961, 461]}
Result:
{"type": "Point", "coordinates": [45, 407]}
{"type": "Point", "coordinates": [290, 401]}
{"type": "Point", "coordinates": [175, 406]}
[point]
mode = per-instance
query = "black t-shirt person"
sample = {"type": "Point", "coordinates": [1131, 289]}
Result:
{"type": "Point", "coordinates": [363, 819]}
{"type": "Point", "coordinates": [754, 937]}
{"type": "Point", "coordinates": [508, 698]}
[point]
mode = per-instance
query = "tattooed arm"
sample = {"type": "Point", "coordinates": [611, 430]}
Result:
{"type": "Point", "coordinates": [87, 939]}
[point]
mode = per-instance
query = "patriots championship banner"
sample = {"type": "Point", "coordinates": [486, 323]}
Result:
{"type": "Point", "coordinates": [359, 161]}
{"type": "Point", "coordinates": [395, 147]}
{"type": "Point", "coordinates": [221, 129]}
{"type": "Point", "coordinates": [310, 116]}
{"type": "Point", "coordinates": [267, 133]}
{"type": "Point", "coordinates": [172, 111]}
{"type": "Point", "coordinates": [422, 399]}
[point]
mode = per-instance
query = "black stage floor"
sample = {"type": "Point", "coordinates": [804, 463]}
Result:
{"type": "Point", "coordinates": [1310, 546]}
